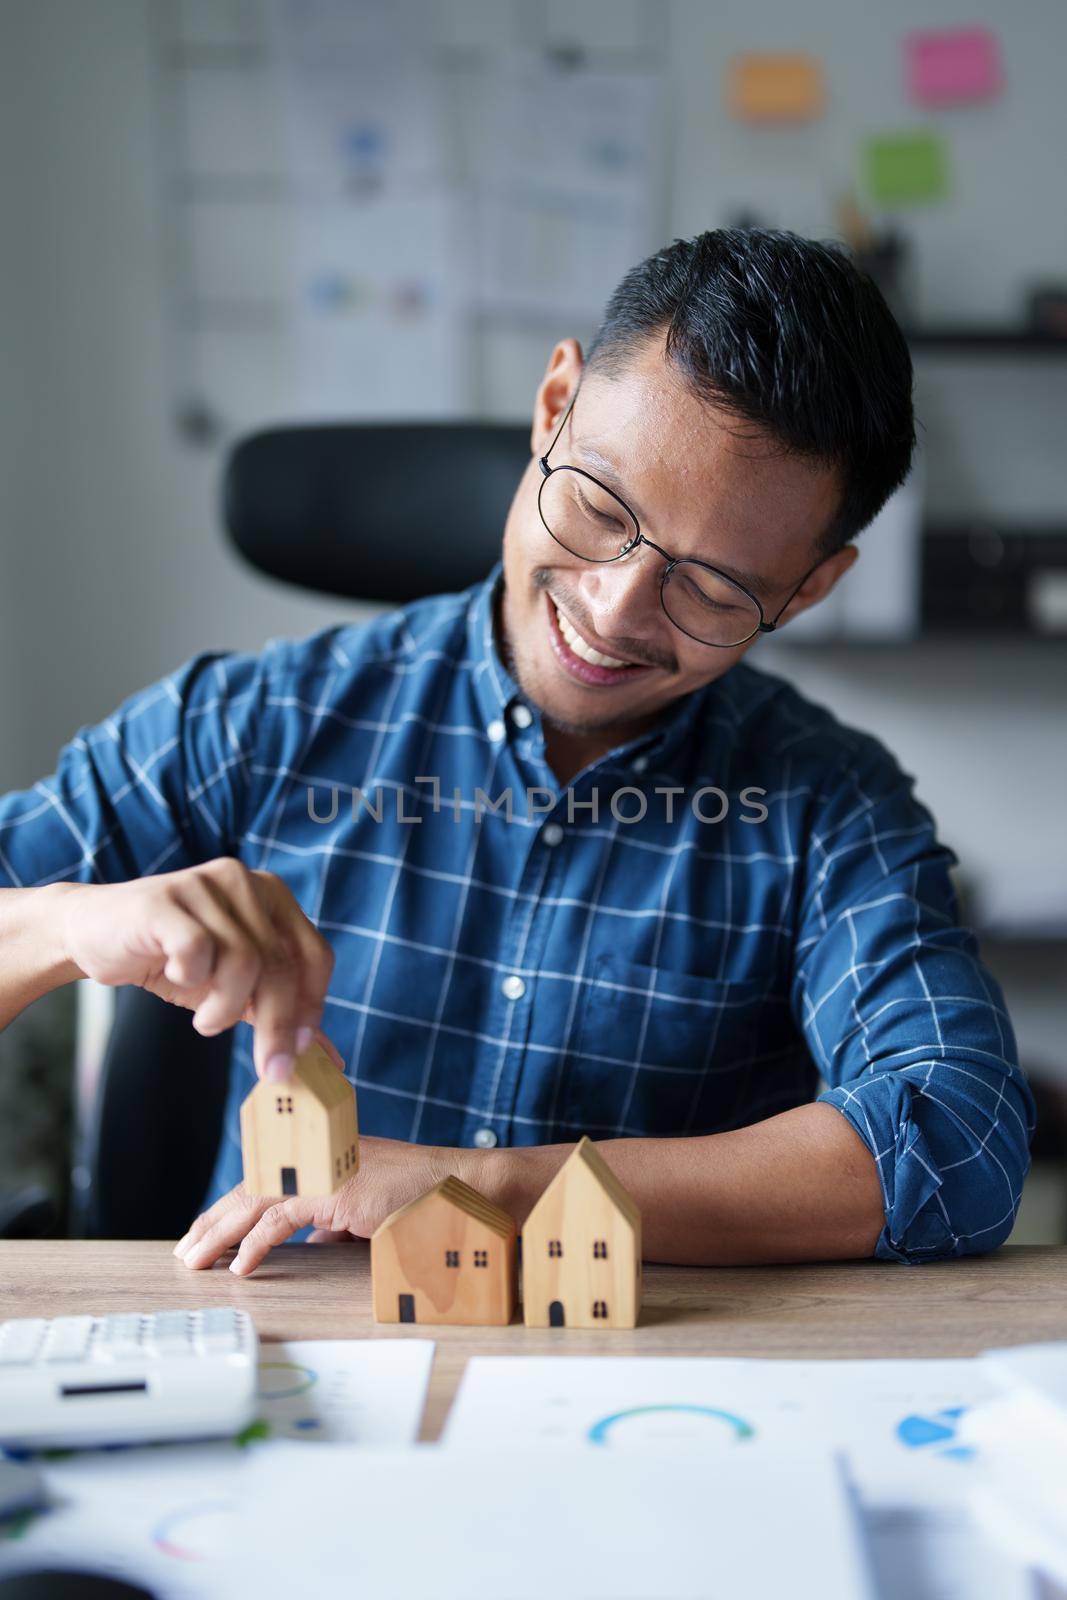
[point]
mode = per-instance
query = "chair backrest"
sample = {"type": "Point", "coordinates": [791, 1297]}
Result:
{"type": "Point", "coordinates": [154, 1132]}
{"type": "Point", "coordinates": [387, 513]}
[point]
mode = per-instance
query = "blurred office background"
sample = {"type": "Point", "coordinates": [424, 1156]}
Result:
{"type": "Point", "coordinates": [223, 213]}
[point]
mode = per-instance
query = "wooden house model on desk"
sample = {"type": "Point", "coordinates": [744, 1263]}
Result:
{"type": "Point", "coordinates": [581, 1249]}
{"type": "Point", "coordinates": [448, 1256]}
{"type": "Point", "coordinates": [302, 1136]}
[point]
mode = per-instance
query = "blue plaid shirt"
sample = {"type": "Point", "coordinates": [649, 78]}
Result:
{"type": "Point", "coordinates": [668, 964]}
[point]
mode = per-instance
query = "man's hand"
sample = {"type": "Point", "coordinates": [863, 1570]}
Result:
{"type": "Point", "coordinates": [229, 942]}
{"type": "Point", "coordinates": [391, 1173]}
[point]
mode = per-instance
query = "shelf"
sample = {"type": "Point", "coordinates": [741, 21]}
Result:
{"type": "Point", "coordinates": [992, 638]}
{"type": "Point", "coordinates": [981, 340]}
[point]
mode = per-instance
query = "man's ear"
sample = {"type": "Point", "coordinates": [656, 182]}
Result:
{"type": "Point", "coordinates": [817, 584]}
{"type": "Point", "coordinates": [554, 393]}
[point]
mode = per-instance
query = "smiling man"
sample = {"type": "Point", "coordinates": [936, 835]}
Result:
{"type": "Point", "coordinates": [549, 858]}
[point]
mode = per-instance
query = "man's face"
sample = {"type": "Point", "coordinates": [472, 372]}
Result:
{"type": "Point", "coordinates": [702, 484]}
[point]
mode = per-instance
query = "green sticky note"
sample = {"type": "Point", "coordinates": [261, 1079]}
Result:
{"type": "Point", "coordinates": [902, 169]}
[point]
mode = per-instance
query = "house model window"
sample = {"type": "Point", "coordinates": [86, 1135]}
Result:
{"type": "Point", "coordinates": [600, 1310]}
{"type": "Point", "coordinates": [283, 1103]}
{"type": "Point", "coordinates": [481, 1258]}
{"type": "Point", "coordinates": [451, 1258]}
{"type": "Point", "coordinates": [600, 1249]}
{"type": "Point", "coordinates": [555, 1248]}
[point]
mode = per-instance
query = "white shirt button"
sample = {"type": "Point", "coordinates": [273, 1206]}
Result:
{"type": "Point", "coordinates": [639, 763]}
{"type": "Point", "coordinates": [485, 1139]}
{"type": "Point", "coordinates": [496, 730]}
{"type": "Point", "coordinates": [521, 716]}
{"type": "Point", "coordinates": [552, 834]}
{"type": "Point", "coordinates": [513, 987]}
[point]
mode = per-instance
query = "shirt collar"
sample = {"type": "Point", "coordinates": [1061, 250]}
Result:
{"type": "Point", "coordinates": [496, 690]}
{"type": "Point", "coordinates": [494, 687]}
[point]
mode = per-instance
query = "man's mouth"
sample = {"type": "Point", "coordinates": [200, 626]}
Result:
{"type": "Point", "coordinates": [580, 659]}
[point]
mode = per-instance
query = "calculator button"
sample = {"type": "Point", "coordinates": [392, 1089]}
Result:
{"type": "Point", "coordinates": [123, 1330]}
{"type": "Point", "coordinates": [170, 1322]}
{"type": "Point", "coordinates": [220, 1317]}
{"type": "Point", "coordinates": [220, 1331]}
{"type": "Point", "coordinates": [68, 1339]}
{"type": "Point", "coordinates": [118, 1338]}
{"type": "Point", "coordinates": [170, 1334]}
{"type": "Point", "coordinates": [20, 1340]}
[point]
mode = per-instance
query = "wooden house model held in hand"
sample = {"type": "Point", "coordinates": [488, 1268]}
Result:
{"type": "Point", "coordinates": [301, 1137]}
{"type": "Point", "coordinates": [448, 1256]}
{"type": "Point", "coordinates": [581, 1249]}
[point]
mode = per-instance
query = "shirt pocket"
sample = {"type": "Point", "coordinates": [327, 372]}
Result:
{"type": "Point", "coordinates": [661, 1052]}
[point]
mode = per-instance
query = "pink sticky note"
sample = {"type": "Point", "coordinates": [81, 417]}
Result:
{"type": "Point", "coordinates": [953, 66]}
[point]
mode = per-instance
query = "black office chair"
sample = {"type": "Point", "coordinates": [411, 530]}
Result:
{"type": "Point", "coordinates": [384, 512]}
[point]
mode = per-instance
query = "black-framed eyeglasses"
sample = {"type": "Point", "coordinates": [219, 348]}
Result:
{"type": "Point", "coordinates": [592, 522]}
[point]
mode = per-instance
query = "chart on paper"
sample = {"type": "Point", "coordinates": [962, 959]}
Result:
{"type": "Point", "coordinates": [885, 1414]}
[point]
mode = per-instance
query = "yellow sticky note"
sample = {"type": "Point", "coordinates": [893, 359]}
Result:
{"type": "Point", "coordinates": [783, 87]}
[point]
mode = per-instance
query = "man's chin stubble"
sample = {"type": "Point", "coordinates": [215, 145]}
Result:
{"type": "Point", "coordinates": [582, 727]}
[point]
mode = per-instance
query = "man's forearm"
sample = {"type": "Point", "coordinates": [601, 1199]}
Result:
{"type": "Point", "coordinates": [33, 959]}
{"type": "Point", "coordinates": [801, 1186]}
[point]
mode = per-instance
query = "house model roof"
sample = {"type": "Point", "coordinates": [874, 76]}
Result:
{"type": "Point", "coordinates": [464, 1198]}
{"type": "Point", "coordinates": [318, 1073]}
{"type": "Point", "coordinates": [588, 1156]}
{"type": "Point", "coordinates": [315, 1072]}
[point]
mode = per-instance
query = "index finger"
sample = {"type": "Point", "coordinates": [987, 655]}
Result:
{"type": "Point", "coordinates": [314, 957]}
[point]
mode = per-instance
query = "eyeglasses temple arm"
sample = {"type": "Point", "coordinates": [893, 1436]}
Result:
{"type": "Point", "coordinates": [542, 461]}
{"type": "Point", "coordinates": [769, 627]}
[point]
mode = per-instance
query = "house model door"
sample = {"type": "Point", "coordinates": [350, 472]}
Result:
{"type": "Point", "coordinates": [289, 1180]}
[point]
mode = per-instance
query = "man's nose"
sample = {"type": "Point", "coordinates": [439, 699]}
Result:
{"type": "Point", "coordinates": [622, 597]}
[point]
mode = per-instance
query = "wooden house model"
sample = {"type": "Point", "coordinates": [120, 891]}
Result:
{"type": "Point", "coordinates": [581, 1249]}
{"type": "Point", "coordinates": [301, 1137]}
{"type": "Point", "coordinates": [448, 1256]}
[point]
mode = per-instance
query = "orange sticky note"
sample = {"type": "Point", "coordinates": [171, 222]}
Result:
{"type": "Point", "coordinates": [786, 87]}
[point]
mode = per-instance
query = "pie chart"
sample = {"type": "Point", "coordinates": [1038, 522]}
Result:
{"type": "Point", "coordinates": [195, 1532]}
{"type": "Point", "coordinates": [935, 1433]}
{"type": "Point", "coordinates": [674, 1423]}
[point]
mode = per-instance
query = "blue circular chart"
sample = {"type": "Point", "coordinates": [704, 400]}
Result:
{"type": "Point", "coordinates": [737, 1429]}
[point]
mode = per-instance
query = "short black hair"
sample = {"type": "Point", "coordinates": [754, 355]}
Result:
{"type": "Point", "coordinates": [785, 333]}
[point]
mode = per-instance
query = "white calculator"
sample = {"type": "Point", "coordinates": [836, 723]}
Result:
{"type": "Point", "coordinates": [130, 1378]}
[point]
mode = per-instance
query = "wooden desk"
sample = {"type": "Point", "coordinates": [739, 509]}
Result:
{"type": "Point", "coordinates": [953, 1308]}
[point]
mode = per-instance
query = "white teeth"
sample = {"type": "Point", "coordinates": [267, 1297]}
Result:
{"type": "Point", "coordinates": [575, 641]}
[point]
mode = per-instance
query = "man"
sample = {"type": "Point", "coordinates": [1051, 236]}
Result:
{"type": "Point", "coordinates": [548, 858]}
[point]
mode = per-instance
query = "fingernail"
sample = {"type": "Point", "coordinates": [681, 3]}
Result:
{"type": "Point", "coordinates": [279, 1069]}
{"type": "Point", "coordinates": [304, 1037]}
{"type": "Point", "coordinates": [182, 1245]}
{"type": "Point", "coordinates": [235, 1267]}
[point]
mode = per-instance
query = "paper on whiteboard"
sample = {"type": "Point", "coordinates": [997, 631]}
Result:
{"type": "Point", "coordinates": [377, 318]}
{"type": "Point", "coordinates": [571, 184]}
{"type": "Point", "coordinates": [376, 281]}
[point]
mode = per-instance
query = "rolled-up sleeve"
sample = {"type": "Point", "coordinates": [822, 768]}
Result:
{"type": "Point", "coordinates": [158, 785]}
{"type": "Point", "coordinates": [906, 1025]}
